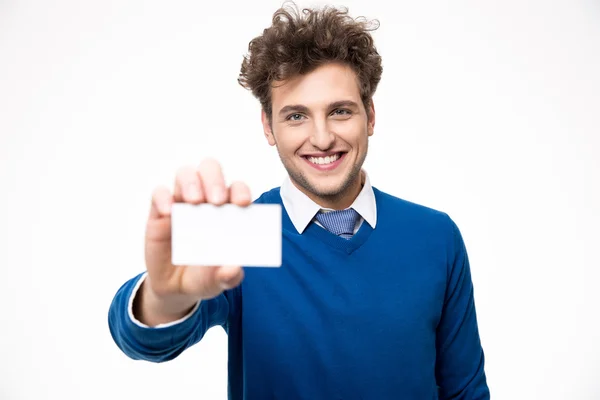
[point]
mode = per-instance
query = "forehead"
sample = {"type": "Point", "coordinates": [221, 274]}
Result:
{"type": "Point", "coordinates": [324, 85]}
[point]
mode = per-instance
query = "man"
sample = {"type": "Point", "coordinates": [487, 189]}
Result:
{"type": "Point", "coordinates": [374, 299]}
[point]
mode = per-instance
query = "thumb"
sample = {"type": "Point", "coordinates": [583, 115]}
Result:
{"type": "Point", "coordinates": [228, 277]}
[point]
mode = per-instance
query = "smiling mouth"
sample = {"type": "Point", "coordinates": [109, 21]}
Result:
{"type": "Point", "coordinates": [324, 160]}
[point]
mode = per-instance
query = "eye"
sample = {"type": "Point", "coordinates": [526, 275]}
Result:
{"type": "Point", "coordinates": [342, 112]}
{"type": "Point", "coordinates": [294, 117]}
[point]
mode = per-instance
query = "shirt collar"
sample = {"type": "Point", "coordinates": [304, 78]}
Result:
{"type": "Point", "coordinates": [301, 209]}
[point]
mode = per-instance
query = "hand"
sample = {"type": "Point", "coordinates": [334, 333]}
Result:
{"type": "Point", "coordinates": [182, 286]}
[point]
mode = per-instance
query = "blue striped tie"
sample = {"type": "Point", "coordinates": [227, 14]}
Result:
{"type": "Point", "coordinates": [340, 222]}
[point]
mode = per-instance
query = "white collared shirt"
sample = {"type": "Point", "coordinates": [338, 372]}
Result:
{"type": "Point", "coordinates": [302, 210]}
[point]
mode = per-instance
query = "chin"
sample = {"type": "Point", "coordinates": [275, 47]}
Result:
{"type": "Point", "coordinates": [325, 184]}
{"type": "Point", "coordinates": [328, 187]}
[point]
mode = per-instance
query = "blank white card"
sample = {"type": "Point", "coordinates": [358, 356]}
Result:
{"type": "Point", "coordinates": [208, 235]}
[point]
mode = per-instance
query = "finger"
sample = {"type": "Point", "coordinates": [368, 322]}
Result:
{"type": "Point", "coordinates": [213, 182]}
{"type": "Point", "coordinates": [188, 188]}
{"type": "Point", "coordinates": [229, 276]}
{"type": "Point", "coordinates": [158, 226]}
{"type": "Point", "coordinates": [239, 194]}
{"type": "Point", "coordinates": [161, 203]}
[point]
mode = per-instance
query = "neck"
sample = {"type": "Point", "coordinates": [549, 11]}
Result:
{"type": "Point", "coordinates": [338, 201]}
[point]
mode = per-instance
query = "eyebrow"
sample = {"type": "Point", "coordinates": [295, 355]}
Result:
{"type": "Point", "coordinates": [303, 109]}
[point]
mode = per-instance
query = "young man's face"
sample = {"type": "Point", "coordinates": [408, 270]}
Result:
{"type": "Point", "coordinates": [321, 129]}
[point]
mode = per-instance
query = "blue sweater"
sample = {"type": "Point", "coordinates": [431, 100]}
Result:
{"type": "Point", "coordinates": [388, 314]}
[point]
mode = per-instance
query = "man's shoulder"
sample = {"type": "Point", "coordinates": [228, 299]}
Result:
{"type": "Point", "coordinates": [271, 196]}
{"type": "Point", "coordinates": [394, 207]}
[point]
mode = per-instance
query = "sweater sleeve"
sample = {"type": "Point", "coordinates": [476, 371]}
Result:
{"type": "Point", "coordinates": [163, 342]}
{"type": "Point", "coordinates": [460, 362]}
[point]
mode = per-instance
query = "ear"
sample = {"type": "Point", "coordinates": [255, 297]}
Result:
{"type": "Point", "coordinates": [267, 128]}
{"type": "Point", "coordinates": [371, 123]}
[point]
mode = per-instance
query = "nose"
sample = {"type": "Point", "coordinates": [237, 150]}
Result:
{"type": "Point", "coordinates": [322, 138]}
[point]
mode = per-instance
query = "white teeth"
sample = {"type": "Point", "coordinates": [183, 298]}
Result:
{"type": "Point", "coordinates": [324, 160]}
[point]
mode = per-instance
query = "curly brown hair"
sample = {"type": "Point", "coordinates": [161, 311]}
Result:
{"type": "Point", "coordinates": [298, 42]}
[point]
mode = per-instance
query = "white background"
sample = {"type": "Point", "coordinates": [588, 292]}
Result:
{"type": "Point", "coordinates": [488, 110]}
